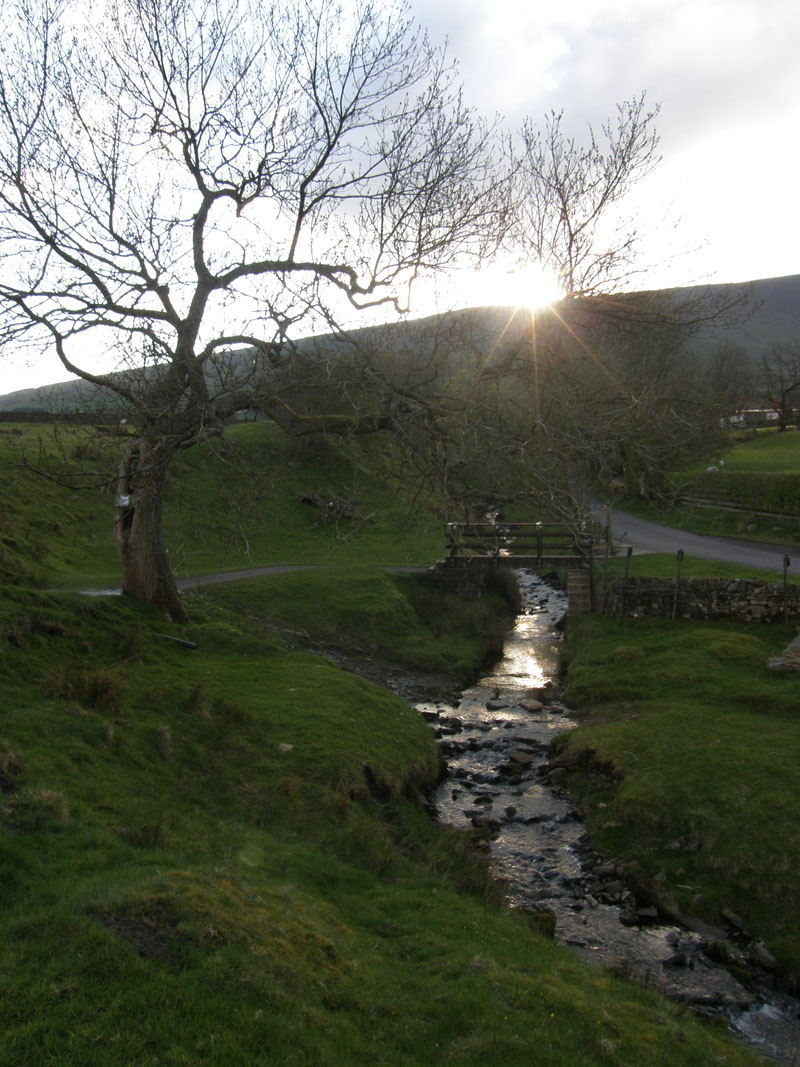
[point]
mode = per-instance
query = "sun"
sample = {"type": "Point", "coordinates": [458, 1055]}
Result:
{"type": "Point", "coordinates": [495, 286]}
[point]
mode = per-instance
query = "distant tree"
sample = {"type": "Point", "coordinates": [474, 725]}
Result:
{"type": "Point", "coordinates": [183, 183]}
{"type": "Point", "coordinates": [730, 374]}
{"type": "Point", "coordinates": [780, 379]}
{"type": "Point", "coordinates": [623, 397]}
{"type": "Point", "coordinates": [543, 410]}
{"type": "Point", "coordinates": [641, 406]}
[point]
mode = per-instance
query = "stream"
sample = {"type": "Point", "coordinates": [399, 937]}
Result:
{"type": "Point", "coordinates": [496, 744]}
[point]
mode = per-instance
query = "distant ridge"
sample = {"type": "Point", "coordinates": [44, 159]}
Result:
{"type": "Point", "coordinates": [776, 318]}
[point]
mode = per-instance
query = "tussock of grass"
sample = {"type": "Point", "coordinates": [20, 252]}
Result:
{"type": "Point", "coordinates": [100, 688]}
{"type": "Point", "coordinates": [34, 808]}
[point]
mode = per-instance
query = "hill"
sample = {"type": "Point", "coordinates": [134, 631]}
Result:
{"type": "Point", "coordinates": [776, 317]}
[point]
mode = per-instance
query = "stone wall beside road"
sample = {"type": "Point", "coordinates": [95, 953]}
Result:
{"type": "Point", "coordinates": [703, 598]}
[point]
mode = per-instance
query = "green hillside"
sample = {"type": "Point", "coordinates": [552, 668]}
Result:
{"type": "Point", "coordinates": [218, 855]}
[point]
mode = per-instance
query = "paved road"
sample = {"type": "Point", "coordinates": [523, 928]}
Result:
{"type": "Point", "coordinates": [233, 576]}
{"type": "Point", "coordinates": [646, 536]}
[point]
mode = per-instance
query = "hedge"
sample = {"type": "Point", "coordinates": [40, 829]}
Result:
{"type": "Point", "coordinates": [750, 491]}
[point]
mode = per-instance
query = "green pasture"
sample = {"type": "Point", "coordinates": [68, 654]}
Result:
{"type": "Point", "coordinates": [767, 451]}
{"type": "Point", "coordinates": [761, 453]}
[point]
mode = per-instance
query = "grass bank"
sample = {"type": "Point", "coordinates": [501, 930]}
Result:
{"type": "Point", "coordinates": [229, 505]}
{"type": "Point", "coordinates": [686, 765]}
{"type": "Point", "coordinates": [665, 565]}
{"type": "Point", "coordinates": [219, 855]}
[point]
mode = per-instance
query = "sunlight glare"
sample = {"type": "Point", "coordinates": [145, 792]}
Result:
{"type": "Point", "coordinates": [530, 287]}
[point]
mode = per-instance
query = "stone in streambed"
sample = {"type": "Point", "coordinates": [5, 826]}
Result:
{"type": "Point", "coordinates": [762, 957]}
{"type": "Point", "coordinates": [521, 757]}
{"type": "Point", "coordinates": [531, 705]}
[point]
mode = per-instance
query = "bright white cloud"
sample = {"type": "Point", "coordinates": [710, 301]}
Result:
{"type": "Point", "coordinates": [727, 76]}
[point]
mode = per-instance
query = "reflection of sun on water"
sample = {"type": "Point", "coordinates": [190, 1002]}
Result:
{"type": "Point", "coordinates": [530, 287]}
{"type": "Point", "coordinates": [530, 656]}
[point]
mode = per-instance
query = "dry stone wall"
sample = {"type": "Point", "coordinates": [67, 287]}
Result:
{"type": "Point", "coordinates": [703, 598]}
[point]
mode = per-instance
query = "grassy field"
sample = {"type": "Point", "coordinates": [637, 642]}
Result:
{"type": "Point", "coordinates": [229, 505]}
{"type": "Point", "coordinates": [767, 452]}
{"type": "Point", "coordinates": [218, 855]}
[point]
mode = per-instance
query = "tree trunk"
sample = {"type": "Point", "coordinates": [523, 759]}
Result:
{"type": "Point", "coordinates": [146, 571]}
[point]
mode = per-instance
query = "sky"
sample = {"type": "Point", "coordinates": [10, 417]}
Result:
{"type": "Point", "coordinates": [723, 204]}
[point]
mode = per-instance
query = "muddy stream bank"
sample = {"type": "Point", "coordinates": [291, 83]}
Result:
{"type": "Point", "coordinates": [495, 741]}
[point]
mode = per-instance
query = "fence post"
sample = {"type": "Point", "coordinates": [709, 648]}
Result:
{"type": "Point", "coordinates": [786, 564]}
{"type": "Point", "coordinates": [677, 583]}
{"type": "Point", "coordinates": [628, 554]}
{"type": "Point", "coordinates": [606, 558]}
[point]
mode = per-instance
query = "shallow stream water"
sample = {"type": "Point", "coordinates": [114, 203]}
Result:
{"type": "Point", "coordinates": [496, 743]}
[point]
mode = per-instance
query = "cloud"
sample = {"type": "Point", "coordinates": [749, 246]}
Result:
{"type": "Point", "coordinates": [727, 77]}
{"type": "Point", "coordinates": [704, 59]}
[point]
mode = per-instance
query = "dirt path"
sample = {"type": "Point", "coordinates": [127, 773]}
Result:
{"type": "Point", "coordinates": [200, 580]}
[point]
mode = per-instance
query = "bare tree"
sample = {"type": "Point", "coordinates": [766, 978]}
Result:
{"type": "Point", "coordinates": [780, 378]}
{"type": "Point", "coordinates": [730, 373]}
{"type": "Point", "coordinates": [184, 182]}
{"type": "Point", "coordinates": [618, 392]}
{"type": "Point", "coordinates": [640, 406]}
{"type": "Point", "coordinates": [566, 193]}
{"type": "Point", "coordinates": [545, 408]}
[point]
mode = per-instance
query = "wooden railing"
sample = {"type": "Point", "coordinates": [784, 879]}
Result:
{"type": "Point", "coordinates": [516, 543]}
